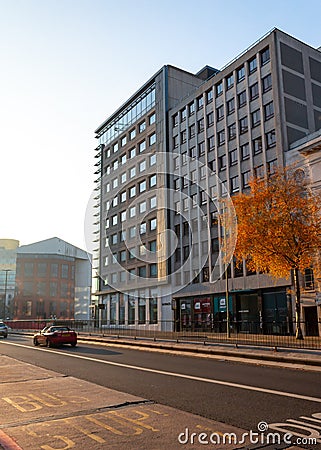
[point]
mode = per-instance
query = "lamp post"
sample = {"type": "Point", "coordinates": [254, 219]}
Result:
{"type": "Point", "coordinates": [5, 292]}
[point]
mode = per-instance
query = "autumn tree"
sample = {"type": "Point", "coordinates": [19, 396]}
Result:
{"type": "Point", "coordinates": [279, 228]}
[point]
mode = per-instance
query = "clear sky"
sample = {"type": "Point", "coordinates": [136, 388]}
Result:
{"type": "Point", "coordinates": [66, 65]}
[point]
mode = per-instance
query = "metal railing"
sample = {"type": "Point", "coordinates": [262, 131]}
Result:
{"type": "Point", "coordinates": [271, 334]}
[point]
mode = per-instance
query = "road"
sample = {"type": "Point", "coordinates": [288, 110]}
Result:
{"type": "Point", "coordinates": [237, 394]}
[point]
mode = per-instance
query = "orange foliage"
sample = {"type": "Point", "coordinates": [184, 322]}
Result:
{"type": "Point", "coordinates": [279, 226]}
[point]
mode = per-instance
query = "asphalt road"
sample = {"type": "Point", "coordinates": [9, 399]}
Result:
{"type": "Point", "coordinates": [241, 395]}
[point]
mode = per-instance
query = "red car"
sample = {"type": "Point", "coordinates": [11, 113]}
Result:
{"type": "Point", "coordinates": [55, 336]}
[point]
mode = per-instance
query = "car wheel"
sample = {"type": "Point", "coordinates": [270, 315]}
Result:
{"type": "Point", "coordinates": [74, 344]}
{"type": "Point", "coordinates": [35, 342]}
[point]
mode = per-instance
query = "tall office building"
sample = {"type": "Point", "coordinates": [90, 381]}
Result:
{"type": "Point", "coordinates": [167, 157]}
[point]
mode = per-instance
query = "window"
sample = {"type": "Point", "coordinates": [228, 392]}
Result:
{"type": "Point", "coordinates": [107, 223]}
{"type": "Point", "coordinates": [108, 187]}
{"type": "Point", "coordinates": [175, 141]}
{"type": "Point", "coordinates": [200, 125]}
{"type": "Point", "coordinates": [193, 176]}
{"type": "Point", "coordinates": [142, 271]}
{"type": "Point", "coordinates": [210, 119]}
{"type": "Point", "coordinates": [230, 106]}
{"type": "Point", "coordinates": [200, 102]}
{"type": "Point", "coordinates": [122, 256]}
{"type": "Point", "coordinates": [246, 178]}
{"type": "Point", "coordinates": [152, 139]}
{"type": "Point", "coordinates": [211, 142]}
{"type": "Point", "coordinates": [132, 211]}
{"type": "Point", "coordinates": [243, 125]}
{"type": "Point", "coordinates": [183, 136]}
{"type": "Point", "coordinates": [115, 201]}
{"type": "Point", "coordinates": [115, 165]}
{"type": "Point", "coordinates": [123, 216]}
{"type": "Point", "coordinates": [175, 120]}
{"type": "Point", "coordinates": [142, 166]}
{"type": "Point", "coordinates": [184, 158]}
{"type": "Point", "coordinates": [123, 159]}
{"type": "Point", "coordinates": [142, 228]}
{"type": "Point", "coordinates": [142, 207]}
{"type": "Point", "coordinates": [259, 171]}
{"type": "Point", "coordinates": [233, 157]}
{"type": "Point", "coordinates": [132, 192]}
{"type": "Point", "coordinates": [230, 81]}
{"type": "Point", "coordinates": [232, 131]}
{"type": "Point", "coordinates": [201, 148]}
{"type": "Point", "coordinates": [124, 141]}
{"type": "Point", "coordinates": [265, 56]}
{"type": "Point", "coordinates": [123, 177]}
{"type": "Point", "coordinates": [219, 89]}
{"type": "Point", "coordinates": [114, 220]}
{"type": "Point", "coordinates": [142, 146]}
{"type": "Point", "coordinates": [153, 270]}
{"type": "Point", "coordinates": [209, 96]}
{"type": "Point", "coordinates": [152, 246]}
{"type": "Point", "coordinates": [222, 162]}
{"type": "Point", "coordinates": [268, 110]}
{"type": "Point", "coordinates": [254, 91]}
{"type": "Point", "coordinates": [240, 74]}
{"type": "Point", "coordinates": [115, 148]}
{"type": "Point", "coordinates": [132, 172]}
{"type": "Point", "coordinates": [245, 151]}
{"type": "Point", "coordinates": [252, 65]}
{"type": "Point", "coordinates": [132, 232]}
{"type": "Point", "coordinates": [256, 118]}
{"type": "Point", "coordinates": [176, 162]}
{"type": "Point", "coordinates": [152, 181]}
{"type": "Point", "coordinates": [114, 239]}
{"type": "Point", "coordinates": [107, 152]}
{"type": "Point", "coordinates": [270, 139]}
{"type": "Point", "coordinates": [221, 137]}
{"type": "Point", "coordinates": [123, 197]}
{"type": "Point", "coordinates": [153, 224]}
{"type": "Point", "coordinates": [152, 160]}
{"type": "Point", "coordinates": [122, 236]}
{"type": "Point", "coordinates": [183, 115]}
{"type": "Point", "coordinates": [115, 183]}
{"type": "Point", "coordinates": [191, 109]}
{"type": "Point", "coordinates": [235, 184]}
{"type": "Point", "coordinates": [203, 171]}
{"type": "Point", "coordinates": [272, 166]}
{"type": "Point", "coordinates": [142, 186]}
{"type": "Point", "coordinates": [142, 126]}
{"type": "Point", "coordinates": [153, 202]}
{"type": "Point", "coordinates": [177, 184]}
{"type": "Point", "coordinates": [152, 119]}
{"type": "Point", "coordinates": [132, 134]}
{"type": "Point", "coordinates": [192, 131]}
{"type": "Point", "coordinates": [257, 145]}
{"type": "Point", "coordinates": [242, 98]}
{"type": "Point", "coordinates": [219, 113]}
{"type": "Point", "coordinates": [267, 83]}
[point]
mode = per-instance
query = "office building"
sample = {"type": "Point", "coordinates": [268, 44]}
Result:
{"type": "Point", "coordinates": [53, 281]}
{"type": "Point", "coordinates": [209, 132]}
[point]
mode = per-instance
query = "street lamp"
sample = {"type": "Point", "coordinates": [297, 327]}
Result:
{"type": "Point", "coordinates": [5, 291]}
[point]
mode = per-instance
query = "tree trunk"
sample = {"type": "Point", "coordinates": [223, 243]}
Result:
{"type": "Point", "coordinates": [298, 333]}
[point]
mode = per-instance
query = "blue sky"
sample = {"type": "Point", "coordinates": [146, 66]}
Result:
{"type": "Point", "coordinates": [66, 65]}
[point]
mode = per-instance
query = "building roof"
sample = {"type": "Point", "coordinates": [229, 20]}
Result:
{"type": "Point", "coordinates": [54, 246]}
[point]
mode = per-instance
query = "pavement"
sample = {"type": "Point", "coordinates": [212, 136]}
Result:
{"type": "Point", "coordinates": [43, 409]}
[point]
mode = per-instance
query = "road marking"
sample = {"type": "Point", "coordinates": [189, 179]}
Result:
{"type": "Point", "coordinates": [177, 375]}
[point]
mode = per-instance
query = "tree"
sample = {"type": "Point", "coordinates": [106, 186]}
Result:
{"type": "Point", "coordinates": [279, 228]}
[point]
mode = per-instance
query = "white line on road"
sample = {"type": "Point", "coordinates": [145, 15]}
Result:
{"type": "Point", "coordinates": [177, 375]}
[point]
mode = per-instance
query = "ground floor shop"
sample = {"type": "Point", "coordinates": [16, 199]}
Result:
{"type": "Point", "coordinates": [260, 311]}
